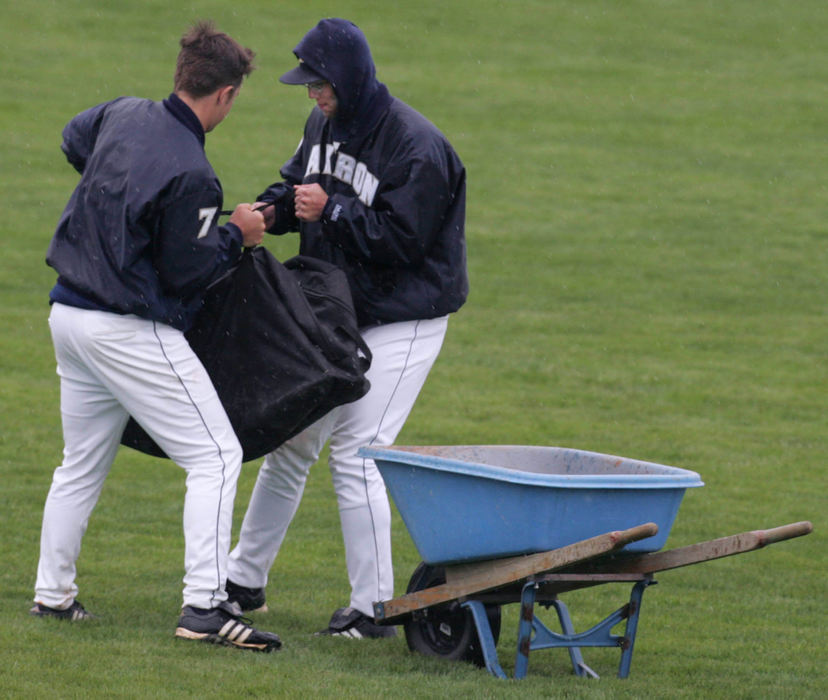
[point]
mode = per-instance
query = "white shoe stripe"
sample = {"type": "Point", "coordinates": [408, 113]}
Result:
{"type": "Point", "coordinates": [235, 631]}
{"type": "Point", "coordinates": [351, 632]}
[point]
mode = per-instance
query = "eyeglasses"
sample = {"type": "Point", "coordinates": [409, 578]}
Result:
{"type": "Point", "coordinates": [317, 87]}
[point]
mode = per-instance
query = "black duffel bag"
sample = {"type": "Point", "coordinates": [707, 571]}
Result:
{"type": "Point", "coordinates": [281, 345]}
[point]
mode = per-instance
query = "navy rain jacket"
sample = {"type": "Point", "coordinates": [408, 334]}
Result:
{"type": "Point", "coordinates": [139, 234]}
{"type": "Point", "coordinates": [395, 217]}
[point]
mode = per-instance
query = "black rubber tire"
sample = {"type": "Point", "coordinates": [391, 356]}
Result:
{"type": "Point", "coordinates": [445, 630]}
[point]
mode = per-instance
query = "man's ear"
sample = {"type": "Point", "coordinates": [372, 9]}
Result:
{"type": "Point", "coordinates": [226, 94]}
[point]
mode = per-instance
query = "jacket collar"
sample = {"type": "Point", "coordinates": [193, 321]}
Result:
{"type": "Point", "coordinates": [179, 109]}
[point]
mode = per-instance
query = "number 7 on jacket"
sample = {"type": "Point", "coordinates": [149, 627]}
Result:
{"type": "Point", "coordinates": [206, 214]}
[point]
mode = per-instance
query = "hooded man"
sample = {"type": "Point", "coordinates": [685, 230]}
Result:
{"type": "Point", "coordinates": [376, 189]}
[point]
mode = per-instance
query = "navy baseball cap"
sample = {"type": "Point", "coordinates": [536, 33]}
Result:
{"type": "Point", "coordinates": [301, 75]}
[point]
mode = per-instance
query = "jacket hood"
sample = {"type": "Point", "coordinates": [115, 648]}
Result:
{"type": "Point", "coordinates": [338, 51]}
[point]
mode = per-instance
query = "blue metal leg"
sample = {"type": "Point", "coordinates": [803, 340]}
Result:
{"type": "Point", "coordinates": [544, 636]}
{"type": "Point", "coordinates": [534, 635]}
{"type": "Point", "coordinates": [628, 641]}
{"type": "Point", "coordinates": [484, 635]}
{"type": "Point", "coordinates": [578, 665]}
{"type": "Point", "coordinates": [525, 628]}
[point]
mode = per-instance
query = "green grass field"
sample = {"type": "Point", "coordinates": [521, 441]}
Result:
{"type": "Point", "coordinates": [648, 256]}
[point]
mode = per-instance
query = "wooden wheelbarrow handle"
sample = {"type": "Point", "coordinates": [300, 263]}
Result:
{"type": "Point", "coordinates": [784, 532]}
{"type": "Point", "coordinates": [695, 553]}
{"type": "Point", "coordinates": [467, 579]}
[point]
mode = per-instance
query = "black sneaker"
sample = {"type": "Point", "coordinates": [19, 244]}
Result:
{"type": "Point", "coordinates": [74, 612]}
{"type": "Point", "coordinates": [349, 622]}
{"type": "Point", "coordinates": [248, 599]}
{"type": "Point", "coordinates": [224, 625]}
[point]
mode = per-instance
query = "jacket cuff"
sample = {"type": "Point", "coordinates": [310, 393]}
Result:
{"type": "Point", "coordinates": [331, 212]}
{"type": "Point", "coordinates": [234, 240]}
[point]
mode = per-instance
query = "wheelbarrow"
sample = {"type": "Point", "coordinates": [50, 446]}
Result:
{"type": "Point", "coordinates": [503, 524]}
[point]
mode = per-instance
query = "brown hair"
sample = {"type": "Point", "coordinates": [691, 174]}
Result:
{"type": "Point", "coordinates": [210, 60]}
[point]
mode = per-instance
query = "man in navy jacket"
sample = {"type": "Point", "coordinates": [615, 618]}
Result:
{"type": "Point", "coordinates": [376, 189]}
{"type": "Point", "coordinates": [135, 248]}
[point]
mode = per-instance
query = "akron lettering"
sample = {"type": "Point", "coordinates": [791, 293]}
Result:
{"type": "Point", "coordinates": [347, 169]}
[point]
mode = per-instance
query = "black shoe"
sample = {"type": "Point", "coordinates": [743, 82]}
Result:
{"type": "Point", "coordinates": [349, 622]}
{"type": "Point", "coordinates": [74, 612]}
{"type": "Point", "coordinates": [248, 599]}
{"type": "Point", "coordinates": [224, 625]}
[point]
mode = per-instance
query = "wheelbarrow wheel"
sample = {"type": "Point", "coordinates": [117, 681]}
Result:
{"type": "Point", "coordinates": [446, 630]}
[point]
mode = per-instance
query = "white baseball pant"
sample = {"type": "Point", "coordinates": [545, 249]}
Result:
{"type": "Point", "coordinates": [111, 366]}
{"type": "Point", "coordinates": [403, 354]}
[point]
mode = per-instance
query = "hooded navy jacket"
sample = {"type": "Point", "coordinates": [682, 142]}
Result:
{"type": "Point", "coordinates": [395, 216]}
{"type": "Point", "coordinates": [139, 234]}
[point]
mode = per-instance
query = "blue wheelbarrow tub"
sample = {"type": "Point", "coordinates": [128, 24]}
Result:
{"type": "Point", "coordinates": [463, 503]}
